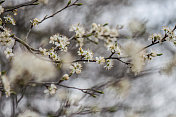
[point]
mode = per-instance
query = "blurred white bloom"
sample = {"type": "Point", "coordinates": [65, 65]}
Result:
{"type": "Point", "coordinates": [169, 33]}
{"type": "Point", "coordinates": [60, 41]}
{"type": "Point", "coordinates": [169, 68]}
{"type": "Point", "coordinates": [76, 68]}
{"type": "Point", "coordinates": [5, 38]}
{"type": "Point", "coordinates": [44, 1]}
{"type": "Point", "coordinates": [8, 52]}
{"type": "Point", "coordinates": [102, 32]}
{"type": "Point", "coordinates": [79, 30]}
{"type": "Point", "coordinates": [53, 39]}
{"type": "Point", "coordinates": [28, 64]}
{"type": "Point", "coordinates": [10, 19]}
{"type": "Point", "coordinates": [65, 77]}
{"type": "Point", "coordinates": [67, 60]}
{"type": "Point", "coordinates": [29, 113]}
{"type": "Point", "coordinates": [43, 51]}
{"type": "Point", "coordinates": [51, 90]}
{"type": "Point", "coordinates": [54, 56]}
{"type": "Point", "coordinates": [1, 9]}
{"type": "Point", "coordinates": [109, 64]}
{"type": "Point", "coordinates": [113, 47]}
{"type": "Point", "coordinates": [6, 85]}
{"type": "Point", "coordinates": [35, 22]}
{"type": "Point", "coordinates": [156, 37]}
{"type": "Point", "coordinates": [87, 54]}
{"type": "Point", "coordinates": [100, 60]}
{"type": "Point", "coordinates": [131, 49]}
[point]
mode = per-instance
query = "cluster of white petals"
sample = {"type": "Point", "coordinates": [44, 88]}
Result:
{"type": "Point", "coordinates": [6, 85]}
{"type": "Point", "coordinates": [137, 56]}
{"type": "Point", "coordinates": [10, 20]}
{"type": "Point", "coordinates": [76, 68]}
{"type": "Point", "coordinates": [109, 64]}
{"type": "Point", "coordinates": [35, 21]}
{"type": "Point", "coordinates": [86, 54]}
{"type": "Point", "coordinates": [156, 37]}
{"type": "Point", "coordinates": [29, 113]}
{"type": "Point", "coordinates": [8, 52]}
{"type": "Point", "coordinates": [170, 34]}
{"type": "Point", "coordinates": [1, 9]}
{"type": "Point", "coordinates": [60, 41]}
{"type": "Point", "coordinates": [26, 64]}
{"type": "Point", "coordinates": [100, 60]}
{"type": "Point", "coordinates": [79, 33]}
{"type": "Point", "coordinates": [51, 90]}
{"type": "Point", "coordinates": [5, 38]}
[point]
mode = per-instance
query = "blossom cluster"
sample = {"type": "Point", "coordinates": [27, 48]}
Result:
{"type": "Point", "coordinates": [60, 41]}
{"type": "Point", "coordinates": [86, 54]}
{"type": "Point", "coordinates": [6, 40]}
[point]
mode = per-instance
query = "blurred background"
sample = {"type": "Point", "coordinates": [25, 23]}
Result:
{"type": "Point", "coordinates": [148, 94]}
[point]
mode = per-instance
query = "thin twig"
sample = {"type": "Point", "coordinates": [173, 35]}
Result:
{"type": "Point", "coordinates": [30, 3]}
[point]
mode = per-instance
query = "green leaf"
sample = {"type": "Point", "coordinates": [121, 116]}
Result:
{"type": "Point", "coordinates": [105, 24]}
{"type": "Point", "coordinates": [159, 54]}
{"type": "Point", "coordinates": [69, 2]}
{"type": "Point", "coordinates": [79, 4]}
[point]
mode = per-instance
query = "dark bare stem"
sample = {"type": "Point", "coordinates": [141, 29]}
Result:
{"type": "Point", "coordinates": [67, 6]}
{"type": "Point", "coordinates": [30, 3]}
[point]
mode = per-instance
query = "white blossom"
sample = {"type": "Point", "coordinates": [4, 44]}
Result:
{"type": "Point", "coordinates": [43, 51]}
{"type": "Point", "coordinates": [5, 38]}
{"type": "Point", "coordinates": [76, 68]}
{"type": "Point", "coordinates": [87, 54]}
{"type": "Point", "coordinates": [100, 60]}
{"type": "Point", "coordinates": [26, 66]}
{"type": "Point", "coordinates": [132, 49]}
{"type": "Point", "coordinates": [79, 30]}
{"type": "Point", "coordinates": [35, 21]}
{"type": "Point", "coordinates": [29, 113]}
{"type": "Point", "coordinates": [60, 41]}
{"type": "Point", "coordinates": [51, 89]}
{"type": "Point", "coordinates": [8, 52]}
{"type": "Point", "coordinates": [109, 64]}
{"type": "Point", "coordinates": [65, 77]}
{"type": "Point", "coordinates": [10, 19]}
{"type": "Point", "coordinates": [6, 85]}
{"type": "Point", "coordinates": [1, 9]}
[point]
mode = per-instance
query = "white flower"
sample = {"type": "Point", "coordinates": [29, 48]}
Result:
{"type": "Point", "coordinates": [65, 77]}
{"type": "Point", "coordinates": [35, 22]}
{"type": "Point", "coordinates": [76, 68]}
{"type": "Point", "coordinates": [5, 38]}
{"type": "Point", "coordinates": [131, 49]}
{"type": "Point", "coordinates": [43, 51]}
{"type": "Point", "coordinates": [109, 64]}
{"type": "Point", "coordinates": [10, 19]}
{"type": "Point", "coordinates": [169, 33]}
{"type": "Point", "coordinates": [156, 37]}
{"type": "Point", "coordinates": [79, 30]}
{"type": "Point", "coordinates": [100, 60]}
{"type": "Point", "coordinates": [60, 41]}
{"type": "Point", "coordinates": [53, 39]}
{"type": "Point", "coordinates": [44, 1]}
{"type": "Point", "coordinates": [87, 54]}
{"type": "Point", "coordinates": [51, 90]}
{"type": "Point", "coordinates": [29, 113]}
{"type": "Point", "coordinates": [26, 66]}
{"type": "Point", "coordinates": [113, 47]}
{"type": "Point", "coordinates": [1, 9]}
{"type": "Point", "coordinates": [8, 52]}
{"type": "Point", "coordinates": [6, 85]}
{"type": "Point", "coordinates": [54, 56]}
